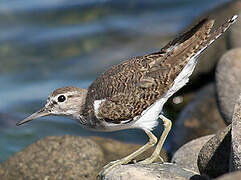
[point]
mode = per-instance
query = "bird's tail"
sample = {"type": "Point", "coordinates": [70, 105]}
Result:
{"type": "Point", "coordinates": [218, 32]}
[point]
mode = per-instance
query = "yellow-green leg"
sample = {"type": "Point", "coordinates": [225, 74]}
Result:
{"type": "Point", "coordinates": [156, 154]}
{"type": "Point", "coordinates": [152, 141]}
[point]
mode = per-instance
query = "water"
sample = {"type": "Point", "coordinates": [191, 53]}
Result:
{"type": "Point", "coordinates": [48, 44]}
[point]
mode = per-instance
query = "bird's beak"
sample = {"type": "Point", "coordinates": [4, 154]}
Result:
{"type": "Point", "coordinates": [38, 114]}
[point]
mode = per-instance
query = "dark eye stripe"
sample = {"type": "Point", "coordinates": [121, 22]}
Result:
{"type": "Point", "coordinates": [54, 102]}
{"type": "Point", "coordinates": [51, 105]}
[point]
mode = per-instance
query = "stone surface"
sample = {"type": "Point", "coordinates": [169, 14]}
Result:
{"type": "Point", "coordinates": [114, 150]}
{"type": "Point", "coordinates": [228, 80]}
{"type": "Point", "coordinates": [187, 155]}
{"type": "Point", "coordinates": [55, 157]}
{"type": "Point", "coordinates": [230, 176]}
{"type": "Point", "coordinates": [213, 159]}
{"type": "Point", "coordinates": [235, 160]}
{"type": "Point", "coordinates": [153, 171]}
{"type": "Point", "coordinates": [199, 118]}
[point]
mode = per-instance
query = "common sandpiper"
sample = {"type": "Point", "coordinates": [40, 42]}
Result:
{"type": "Point", "coordinates": [132, 94]}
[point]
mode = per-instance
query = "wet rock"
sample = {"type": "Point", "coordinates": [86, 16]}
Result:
{"type": "Point", "coordinates": [55, 157]}
{"type": "Point", "coordinates": [199, 118]}
{"type": "Point", "coordinates": [114, 150]}
{"type": "Point", "coordinates": [152, 171]}
{"type": "Point", "coordinates": [213, 159]}
{"type": "Point", "coordinates": [228, 80]}
{"type": "Point", "coordinates": [231, 176]}
{"type": "Point", "coordinates": [187, 155]}
{"type": "Point", "coordinates": [235, 160]}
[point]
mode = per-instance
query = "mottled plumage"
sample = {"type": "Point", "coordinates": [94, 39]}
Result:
{"type": "Point", "coordinates": [132, 86]}
{"type": "Point", "coordinates": [122, 94]}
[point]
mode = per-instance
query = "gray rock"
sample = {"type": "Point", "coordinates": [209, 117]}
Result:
{"type": "Point", "coordinates": [154, 171]}
{"type": "Point", "coordinates": [55, 157]}
{"type": "Point", "coordinates": [235, 160]}
{"type": "Point", "coordinates": [187, 155]}
{"type": "Point", "coordinates": [228, 80]}
{"type": "Point", "coordinates": [230, 176]}
{"type": "Point", "coordinates": [199, 118]}
{"type": "Point", "coordinates": [213, 159]}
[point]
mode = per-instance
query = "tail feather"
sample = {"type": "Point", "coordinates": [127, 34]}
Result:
{"type": "Point", "coordinates": [185, 36]}
{"type": "Point", "coordinates": [203, 27]}
{"type": "Point", "coordinates": [218, 32]}
{"type": "Point", "coordinates": [211, 37]}
{"type": "Point", "coordinates": [181, 53]}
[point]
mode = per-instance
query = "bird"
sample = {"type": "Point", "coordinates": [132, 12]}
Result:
{"type": "Point", "coordinates": [132, 94]}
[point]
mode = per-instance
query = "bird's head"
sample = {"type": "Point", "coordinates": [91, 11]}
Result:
{"type": "Point", "coordinates": [65, 101]}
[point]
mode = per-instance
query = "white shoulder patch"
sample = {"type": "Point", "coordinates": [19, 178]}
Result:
{"type": "Point", "coordinates": [97, 105]}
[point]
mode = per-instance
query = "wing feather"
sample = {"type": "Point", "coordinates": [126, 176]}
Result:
{"type": "Point", "coordinates": [132, 86]}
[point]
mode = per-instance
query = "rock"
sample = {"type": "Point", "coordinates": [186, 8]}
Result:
{"type": "Point", "coordinates": [187, 155]}
{"type": "Point", "coordinates": [199, 118]}
{"type": "Point", "coordinates": [228, 80]}
{"type": "Point", "coordinates": [213, 159]}
{"type": "Point", "coordinates": [235, 161]}
{"type": "Point", "coordinates": [114, 150]}
{"type": "Point", "coordinates": [230, 176]}
{"type": "Point", "coordinates": [166, 171]}
{"type": "Point", "coordinates": [55, 157]}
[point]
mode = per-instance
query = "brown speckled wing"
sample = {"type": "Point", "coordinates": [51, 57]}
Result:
{"type": "Point", "coordinates": [132, 86]}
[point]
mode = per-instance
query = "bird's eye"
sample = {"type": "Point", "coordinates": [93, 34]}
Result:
{"type": "Point", "coordinates": [61, 98]}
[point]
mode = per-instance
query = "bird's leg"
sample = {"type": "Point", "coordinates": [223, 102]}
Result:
{"type": "Point", "coordinates": [156, 154]}
{"type": "Point", "coordinates": [152, 141]}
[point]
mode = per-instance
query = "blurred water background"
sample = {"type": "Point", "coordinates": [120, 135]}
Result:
{"type": "Point", "coordinates": [52, 43]}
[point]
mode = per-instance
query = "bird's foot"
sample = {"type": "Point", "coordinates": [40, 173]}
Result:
{"type": "Point", "coordinates": [107, 168]}
{"type": "Point", "coordinates": [151, 160]}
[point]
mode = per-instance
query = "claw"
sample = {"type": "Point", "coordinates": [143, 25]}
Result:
{"type": "Point", "coordinates": [107, 168]}
{"type": "Point", "coordinates": [151, 160]}
{"type": "Point", "coordinates": [161, 159]}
